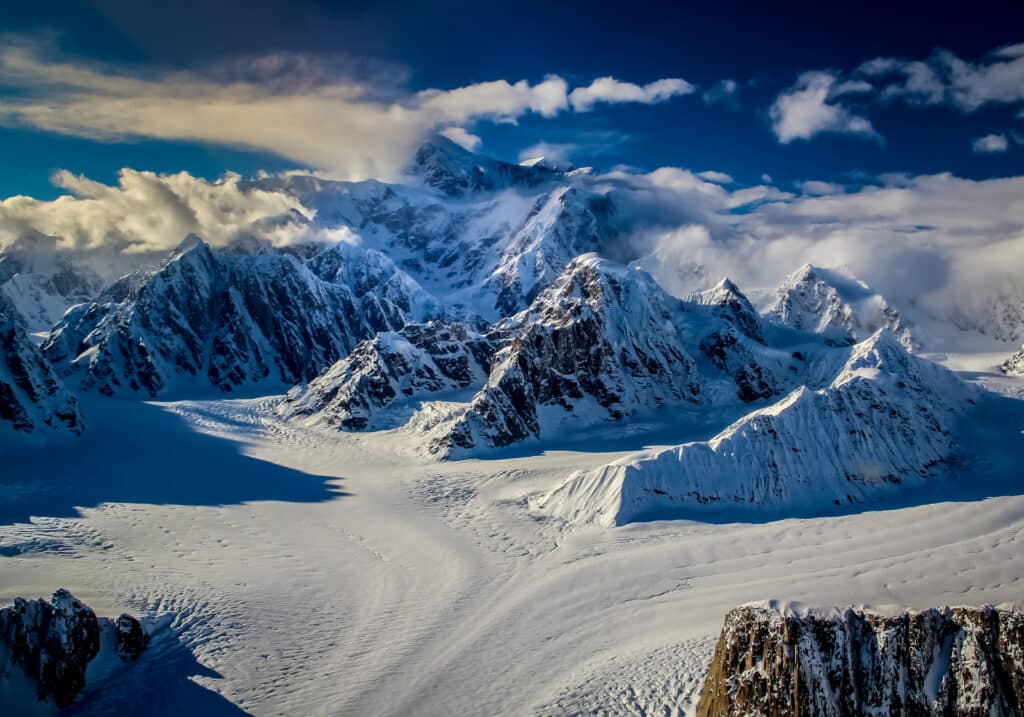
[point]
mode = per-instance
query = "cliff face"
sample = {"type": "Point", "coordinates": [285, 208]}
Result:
{"type": "Point", "coordinates": [946, 661]}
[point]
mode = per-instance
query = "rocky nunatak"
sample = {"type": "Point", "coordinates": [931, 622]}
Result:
{"type": "Point", "coordinates": [52, 642]}
{"type": "Point", "coordinates": [945, 661]}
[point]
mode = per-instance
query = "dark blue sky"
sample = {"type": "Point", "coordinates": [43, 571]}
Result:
{"type": "Point", "coordinates": [450, 44]}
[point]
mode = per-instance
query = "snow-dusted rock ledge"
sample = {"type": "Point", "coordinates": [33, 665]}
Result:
{"type": "Point", "coordinates": [945, 661]}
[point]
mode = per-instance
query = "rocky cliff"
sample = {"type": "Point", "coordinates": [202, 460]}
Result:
{"type": "Point", "coordinates": [947, 661]}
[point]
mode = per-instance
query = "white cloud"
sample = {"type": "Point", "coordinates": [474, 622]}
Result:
{"type": "Point", "coordinates": [806, 109]}
{"type": "Point", "coordinates": [949, 245]}
{"type": "Point", "coordinates": [997, 78]}
{"type": "Point", "coordinates": [555, 152]}
{"type": "Point", "coordinates": [722, 90]}
{"type": "Point", "coordinates": [990, 144]}
{"type": "Point", "coordinates": [817, 188]}
{"type": "Point", "coordinates": [303, 108]}
{"type": "Point", "coordinates": [609, 90]}
{"type": "Point", "coordinates": [146, 213]}
{"type": "Point", "coordinates": [464, 139]}
{"type": "Point", "coordinates": [716, 177]}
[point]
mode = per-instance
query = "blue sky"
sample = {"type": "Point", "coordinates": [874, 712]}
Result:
{"type": "Point", "coordinates": [362, 74]}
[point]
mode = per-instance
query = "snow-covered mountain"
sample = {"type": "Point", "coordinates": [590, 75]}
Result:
{"type": "Point", "coordinates": [32, 397]}
{"type": "Point", "coordinates": [417, 361]}
{"type": "Point", "coordinates": [230, 318]}
{"type": "Point", "coordinates": [477, 233]}
{"type": "Point", "coordinates": [886, 419]}
{"type": "Point", "coordinates": [1014, 366]}
{"type": "Point", "coordinates": [445, 165]}
{"type": "Point", "coordinates": [42, 283]}
{"type": "Point", "coordinates": [945, 661]}
{"type": "Point", "coordinates": [843, 309]}
{"type": "Point", "coordinates": [604, 341]}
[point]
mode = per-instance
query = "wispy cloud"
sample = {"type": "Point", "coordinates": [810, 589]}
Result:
{"type": "Point", "coordinates": [298, 107]}
{"type": "Point", "coordinates": [611, 91]}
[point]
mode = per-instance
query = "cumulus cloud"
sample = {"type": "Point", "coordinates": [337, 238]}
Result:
{"type": "Point", "coordinates": [611, 91]}
{"type": "Point", "coordinates": [147, 214]}
{"type": "Point", "coordinates": [303, 108]}
{"type": "Point", "coordinates": [818, 188]}
{"type": "Point", "coordinates": [809, 108]}
{"type": "Point", "coordinates": [990, 144]}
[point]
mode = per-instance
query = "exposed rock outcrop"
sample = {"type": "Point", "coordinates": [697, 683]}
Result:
{"type": "Point", "coordinates": [1014, 366]}
{"type": "Point", "coordinates": [602, 342]}
{"type": "Point", "coordinates": [32, 397]}
{"type": "Point", "coordinates": [947, 661]}
{"type": "Point", "coordinates": [229, 318]}
{"type": "Point", "coordinates": [418, 361]}
{"type": "Point", "coordinates": [52, 643]}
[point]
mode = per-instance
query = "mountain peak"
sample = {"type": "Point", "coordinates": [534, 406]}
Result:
{"type": "Point", "coordinates": [446, 165]}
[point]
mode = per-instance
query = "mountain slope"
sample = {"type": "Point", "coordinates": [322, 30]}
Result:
{"type": "Point", "coordinates": [1014, 366]}
{"type": "Point", "coordinates": [602, 342]}
{"type": "Point", "coordinates": [416, 361]}
{"type": "Point", "coordinates": [842, 309]}
{"type": "Point", "coordinates": [886, 419]}
{"type": "Point", "coordinates": [32, 398]}
{"type": "Point", "coordinates": [229, 319]}
{"type": "Point", "coordinates": [42, 283]}
{"type": "Point", "coordinates": [456, 171]}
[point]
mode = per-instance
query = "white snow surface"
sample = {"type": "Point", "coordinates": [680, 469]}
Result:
{"type": "Point", "coordinates": [294, 570]}
{"type": "Point", "coordinates": [883, 422]}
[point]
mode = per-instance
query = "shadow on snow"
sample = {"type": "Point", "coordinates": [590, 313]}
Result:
{"type": "Point", "coordinates": [159, 459]}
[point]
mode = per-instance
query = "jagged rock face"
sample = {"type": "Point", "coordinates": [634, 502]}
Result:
{"type": "Point", "coordinates": [599, 344]}
{"type": "Point", "coordinates": [456, 171]}
{"type": "Point", "coordinates": [947, 661]}
{"type": "Point", "coordinates": [419, 360]}
{"type": "Point", "coordinates": [230, 319]}
{"type": "Point", "coordinates": [842, 309]}
{"type": "Point", "coordinates": [1014, 366]}
{"type": "Point", "coordinates": [884, 420]}
{"type": "Point", "coordinates": [131, 640]}
{"type": "Point", "coordinates": [32, 397]}
{"type": "Point", "coordinates": [52, 642]}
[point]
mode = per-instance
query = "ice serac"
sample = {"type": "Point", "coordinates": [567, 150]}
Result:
{"type": "Point", "coordinates": [1014, 366]}
{"type": "Point", "coordinates": [456, 171]}
{"type": "Point", "coordinates": [602, 342]}
{"type": "Point", "coordinates": [52, 643]}
{"type": "Point", "coordinates": [886, 419]}
{"type": "Point", "coordinates": [418, 361]}
{"type": "Point", "coordinates": [945, 661]}
{"type": "Point", "coordinates": [32, 397]}
{"type": "Point", "coordinates": [841, 308]}
{"type": "Point", "coordinates": [231, 318]}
